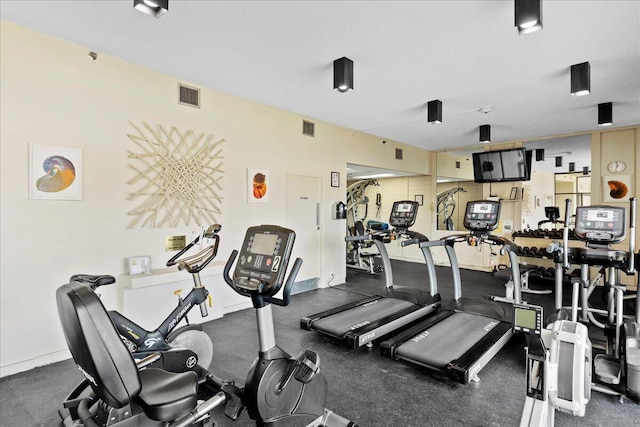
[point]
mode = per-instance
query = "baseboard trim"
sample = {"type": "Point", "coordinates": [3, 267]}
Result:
{"type": "Point", "coordinates": [25, 365]}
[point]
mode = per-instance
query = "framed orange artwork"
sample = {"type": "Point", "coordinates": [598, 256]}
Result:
{"type": "Point", "coordinates": [258, 189]}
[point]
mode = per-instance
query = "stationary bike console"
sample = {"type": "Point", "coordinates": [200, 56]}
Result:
{"type": "Point", "coordinates": [601, 225]}
{"type": "Point", "coordinates": [263, 260]}
{"type": "Point", "coordinates": [482, 216]}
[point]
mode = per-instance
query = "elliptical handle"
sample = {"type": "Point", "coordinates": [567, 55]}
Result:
{"type": "Point", "coordinates": [632, 235]}
{"type": "Point", "coordinates": [288, 286]}
{"type": "Point", "coordinates": [565, 235]}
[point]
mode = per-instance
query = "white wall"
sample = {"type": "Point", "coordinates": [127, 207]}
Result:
{"type": "Point", "coordinates": [52, 94]}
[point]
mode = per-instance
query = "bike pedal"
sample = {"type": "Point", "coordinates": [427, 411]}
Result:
{"type": "Point", "coordinates": [234, 407]}
{"type": "Point", "coordinates": [308, 366]}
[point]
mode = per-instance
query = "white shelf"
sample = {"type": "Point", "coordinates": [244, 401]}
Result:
{"type": "Point", "coordinates": [162, 276]}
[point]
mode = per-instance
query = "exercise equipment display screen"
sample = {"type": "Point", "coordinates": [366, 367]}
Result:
{"type": "Point", "coordinates": [527, 318]}
{"type": "Point", "coordinates": [600, 224]}
{"type": "Point", "coordinates": [482, 215]}
{"type": "Point", "coordinates": [403, 214]}
{"type": "Point", "coordinates": [263, 258]}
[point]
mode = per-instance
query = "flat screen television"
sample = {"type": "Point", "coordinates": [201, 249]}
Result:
{"type": "Point", "coordinates": [502, 165]}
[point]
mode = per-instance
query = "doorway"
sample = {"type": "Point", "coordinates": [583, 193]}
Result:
{"type": "Point", "coordinates": [304, 195]}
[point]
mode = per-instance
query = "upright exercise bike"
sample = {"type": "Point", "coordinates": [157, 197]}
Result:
{"type": "Point", "coordinates": [280, 390]}
{"type": "Point", "coordinates": [182, 348]}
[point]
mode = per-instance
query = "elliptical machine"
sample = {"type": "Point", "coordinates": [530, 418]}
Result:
{"type": "Point", "coordinates": [617, 370]}
{"type": "Point", "coordinates": [280, 390]}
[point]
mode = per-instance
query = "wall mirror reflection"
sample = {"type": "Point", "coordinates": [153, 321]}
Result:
{"type": "Point", "coordinates": [560, 169]}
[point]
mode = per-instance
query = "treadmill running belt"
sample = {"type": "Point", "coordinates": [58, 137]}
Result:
{"type": "Point", "coordinates": [447, 340]}
{"type": "Point", "coordinates": [357, 317]}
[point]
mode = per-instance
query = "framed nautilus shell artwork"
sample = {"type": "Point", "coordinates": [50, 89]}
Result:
{"type": "Point", "coordinates": [616, 188]}
{"type": "Point", "coordinates": [55, 173]}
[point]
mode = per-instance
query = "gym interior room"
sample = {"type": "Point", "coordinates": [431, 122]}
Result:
{"type": "Point", "coordinates": [137, 133]}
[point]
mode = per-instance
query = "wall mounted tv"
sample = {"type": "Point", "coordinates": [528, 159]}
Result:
{"type": "Point", "coordinates": [502, 165]}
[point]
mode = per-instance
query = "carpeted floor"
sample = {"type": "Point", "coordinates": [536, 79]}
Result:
{"type": "Point", "coordinates": [363, 386]}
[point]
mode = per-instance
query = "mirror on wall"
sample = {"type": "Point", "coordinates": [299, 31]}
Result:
{"type": "Point", "coordinates": [552, 180]}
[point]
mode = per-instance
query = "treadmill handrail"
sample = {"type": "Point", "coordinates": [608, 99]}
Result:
{"type": "Point", "coordinates": [376, 235]}
{"type": "Point", "coordinates": [508, 247]}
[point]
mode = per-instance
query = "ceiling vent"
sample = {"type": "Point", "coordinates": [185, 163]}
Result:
{"type": "Point", "coordinates": [308, 128]}
{"type": "Point", "coordinates": [398, 153]}
{"type": "Point", "coordinates": [188, 96]}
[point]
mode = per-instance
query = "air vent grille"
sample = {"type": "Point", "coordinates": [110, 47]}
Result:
{"type": "Point", "coordinates": [188, 96]}
{"type": "Point", "coordinates": [308, 128]}
{"type": "Point", "coordinates": [398, 153]}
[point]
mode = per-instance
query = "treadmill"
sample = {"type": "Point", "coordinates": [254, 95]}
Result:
{"type": "Point", "coordinates": [463, 338]}
{"type": "Point", "coordinates": [371, 319]}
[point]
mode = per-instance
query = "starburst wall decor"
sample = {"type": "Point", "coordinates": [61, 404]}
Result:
{"type": "Point", "coordinates": [177, 177]}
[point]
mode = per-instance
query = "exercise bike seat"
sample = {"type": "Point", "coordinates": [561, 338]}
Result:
{"type": "Point", "coordinates": [108, 366]}
{"type": "Point", "coordinates": [94, 282]}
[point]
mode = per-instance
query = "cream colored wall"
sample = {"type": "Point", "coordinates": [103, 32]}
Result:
{"type": "Point", "coordinates": [52, 94]}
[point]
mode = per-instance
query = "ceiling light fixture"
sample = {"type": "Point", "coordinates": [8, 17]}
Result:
{"type": "Point", "coordinates": [581, 79]}
{"type": "Point", "coordinates": [485, 134]}
{"type": "Point", "coordinates": [434, 111]}
{"type": "Point", "coordinates": [605, 114]}
{"type": "Point", "coordinates": [343, 74]}
{"type": "Point", "coordinates": [528, 16]}
{"type": "Point", "coordinates": [559, 161]}
{"type": "Point", "coordinates": [155, 8]}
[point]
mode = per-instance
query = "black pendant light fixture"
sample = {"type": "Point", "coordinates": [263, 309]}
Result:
{"type": "Point", "coordinates": [155, 8]}
{"type": "Point", "coordinates": [434, 111]}
{"type": "Point", "coordinates": [485, 134]}
{"type": "Point", "coordinates": [539, 154]}
{"type": "Point", "coordinates": [558, 161]}
{"type": "Point", "coordinates": [343, 74]}
{"type": "Point", "coordinates": [605, 114]}
{"type": "Point", "coordinates": [528, 16]}
{"type": "Point", "coordinates": [572, 166]}
{"type": "Point", "coordinates": [581, 79]}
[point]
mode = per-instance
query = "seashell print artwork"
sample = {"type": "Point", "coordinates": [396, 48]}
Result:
{"type": "Point", "coordinates": [60, 174]}
{"type": "Point", "coordinates": [617, 189]}
{"type": "Point", "coordinates": [55, 173]}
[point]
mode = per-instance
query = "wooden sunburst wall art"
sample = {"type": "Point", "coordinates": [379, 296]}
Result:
{"type": "Point", "coordinates": [178, 177]}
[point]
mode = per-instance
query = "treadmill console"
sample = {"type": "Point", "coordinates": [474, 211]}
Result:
{"type": "Point", "coordinates": [263, 259]}
{"type": "Point", "coordinates": [482, 215]}
{"type": "Point", "coordinates": [600, 224]}
{"type": "Point", "coordinates": [403, 214]}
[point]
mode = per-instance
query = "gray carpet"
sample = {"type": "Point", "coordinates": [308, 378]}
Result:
{"type": "Point", "coordinates": [363, 386]}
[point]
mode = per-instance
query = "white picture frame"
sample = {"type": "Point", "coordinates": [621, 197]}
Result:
{"type": "Point", "coordinates": [139, 265]}
{"type": "Point", "coordinates": [55, 173]}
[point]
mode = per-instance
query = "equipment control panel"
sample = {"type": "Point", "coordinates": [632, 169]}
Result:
{"type": "Point", "coordinates": [263, 258]}
{"type": "Point", "coordinates": [600, 224]}
{"type": "Point", "coordinates": [403, 214]}
{"type": "Point", "coordinates": [527, 318]}
{"type": "Point", "coordinates": [482, 215]}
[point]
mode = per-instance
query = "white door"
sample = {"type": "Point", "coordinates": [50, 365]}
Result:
{"type": "Point", "coordinates": [303, 216]}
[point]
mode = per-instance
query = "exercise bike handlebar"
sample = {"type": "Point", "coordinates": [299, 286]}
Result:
{"type": "Point", "coordinates": [210, 233]}
{"type": "Point", "coordinates": [195, 263]}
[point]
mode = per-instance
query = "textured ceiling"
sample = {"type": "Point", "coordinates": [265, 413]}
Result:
{"type": "Point", "coordinates": [466, 54]}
